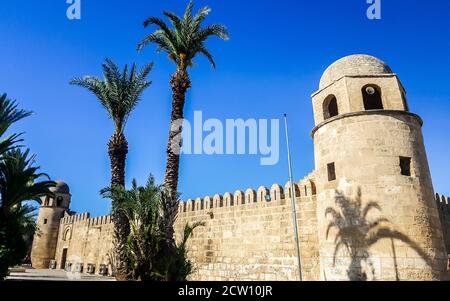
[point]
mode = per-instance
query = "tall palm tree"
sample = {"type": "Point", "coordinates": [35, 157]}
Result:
{"type": "Point", "coordinates": [19, 182]}
{"type": "Point", "coordinates": [357, 233]}
{"type": "Point", "coordinates": [183, 42]}
{"type": "Point", "coordinates": [119, 93]}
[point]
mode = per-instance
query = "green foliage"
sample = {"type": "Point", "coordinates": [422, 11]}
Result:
{"type": "Point", "coordinates": [18, 179]}
{"type": "Point", "coordinates": [19, 183]}
{"type": "Point", "coordinates": [179, 267]}
{"type": "Point", "coordinates": [145, 249]}
{"type": "Point", "coordinates": [119, 92]}
{"type": "Point", "coordinates": [186, 38]}
{"type": "Point", "coordinates": [9, 114]}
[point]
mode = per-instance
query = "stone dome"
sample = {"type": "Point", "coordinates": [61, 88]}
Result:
{"type": "Point", "coordinates": [61, 187]}
{"type": "Point", "coordinates": [353, 65]}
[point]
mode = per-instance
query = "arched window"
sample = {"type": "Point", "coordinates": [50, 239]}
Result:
{"type": "Point", "coordinates": [67, 234]}
{"type": "Point", "coordinates": [330, 107]}
{"type": "Point", "coordinates": [372, 98]}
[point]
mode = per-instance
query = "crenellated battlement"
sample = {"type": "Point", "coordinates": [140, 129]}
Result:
{"type": "Point", "coordinates": [443, 206]}
{"type": "Point", "coordinates": [276, 194]}
{"type": "Point", "coordinates": [443, 203]}
{"type": "Point", "coordinates": [86, 219]}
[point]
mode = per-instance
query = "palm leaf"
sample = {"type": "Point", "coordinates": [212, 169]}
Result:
{"type": "Point", "coordinates": [186, 38]}
{"type": "Point", "coordinates": [119, 92]}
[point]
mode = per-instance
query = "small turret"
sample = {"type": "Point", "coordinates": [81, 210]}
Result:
{"type": "Point", "coordinates": [51, 211]}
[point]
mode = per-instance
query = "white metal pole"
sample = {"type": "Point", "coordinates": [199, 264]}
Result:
{"type": "Point", "coordinates": [293, 199]}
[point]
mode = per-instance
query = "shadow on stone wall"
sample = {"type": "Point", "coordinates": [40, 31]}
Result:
{"type": "Point", "coordinates": [357, 234]}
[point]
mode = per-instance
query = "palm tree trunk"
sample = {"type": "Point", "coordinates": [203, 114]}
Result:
{"type": "Point", "coordinates": [180, 83]}
{"type": "Point", "coordinates": [118, 150]}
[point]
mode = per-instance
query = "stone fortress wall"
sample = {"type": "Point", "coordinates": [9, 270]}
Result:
{"type": "Point", "coordinates": [247, 236]}
{"type": "Point", "coordinates": [250, 236]}
{"type": "Point", "coordinates": [367, 211]}
{"type": "Point", "coordinates": [88, 241]}
{"type": "Point", "coordinates": [443, 204]}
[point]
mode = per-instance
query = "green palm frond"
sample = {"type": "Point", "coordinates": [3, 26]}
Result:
{"type": "Point", "coordinates": [185, 38]}
{"type": "Point", "coordinates": [9, 113]}
{"type": "Point", "coordinates": [119, 92]}
{"type": "Point", "coordinates": [19, 179]}
{"type": "Point", "coordinates": [188, 232]}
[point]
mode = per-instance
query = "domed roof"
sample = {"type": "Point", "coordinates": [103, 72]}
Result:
{"type": "Point", "coordinates": [61, 187]}
{"type": "Point", "coordinates": [353, 65]}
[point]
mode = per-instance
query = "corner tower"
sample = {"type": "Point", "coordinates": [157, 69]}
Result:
{"type": "Point", "coordinates": [376, 212]}
{"type": "Point", "coordinates": [50, 212]}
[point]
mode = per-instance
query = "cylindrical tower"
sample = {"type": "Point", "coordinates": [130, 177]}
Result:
{"type": "Point", "coordinates": [376, 212]}
{"type": "Point", "coordinates": [46, 237]}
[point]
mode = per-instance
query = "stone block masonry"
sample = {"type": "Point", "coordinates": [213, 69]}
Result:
{"type": "Point", "coordinates": [246, 237]}
{"type": "Point", "coordinates": [443, 204]}
{"type": "Point", "coordinates": [368, 211]}
{"type": "Point", "coordinates": [84, 240]}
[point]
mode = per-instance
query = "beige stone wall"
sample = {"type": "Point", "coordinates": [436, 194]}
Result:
{"type": "Point", "coordinates": [248, 238]}
{"type": "Point", "coordinates": [347, 91]}
{"type": "Point", "coordinates": [241, 240]}
{"type": "Point", "coordinates": [443, 204]}
{"type": "Point", "coordinates": [245, 237]}
{"type": "Point", "coordinates": [46, 237]}
{"type": "Point", "coordinates": [88, 240]}
{"type": "Point", "coordinates": [365, 147]}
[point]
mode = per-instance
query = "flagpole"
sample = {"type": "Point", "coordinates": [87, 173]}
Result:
{"type": "Point", "coordinates": [293, 198]}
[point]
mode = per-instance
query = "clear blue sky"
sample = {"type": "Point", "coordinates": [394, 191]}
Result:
{"type": "Point", "coordinates": [273, 62]}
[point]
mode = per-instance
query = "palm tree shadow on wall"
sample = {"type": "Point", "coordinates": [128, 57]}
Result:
{"type": "Point", "coordinates": [356, 233]}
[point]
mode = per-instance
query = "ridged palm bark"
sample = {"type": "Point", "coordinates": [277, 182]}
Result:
{"type": "Point", "coordinates": [118, 150]}
{"type": "Point", "coordinates": [183, 42]}
{"type": "Point", "coordinates": [119, 93]}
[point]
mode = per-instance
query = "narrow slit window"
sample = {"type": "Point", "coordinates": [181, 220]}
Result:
{"type": "Point", "coordinates": [405, 166]}
{"type": "Point", "coordinates": [331, 172]}
{"type": "Point", "coordinates": [45, 221]}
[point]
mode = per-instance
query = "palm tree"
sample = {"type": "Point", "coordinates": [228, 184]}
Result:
{"type": "Point", "coordinates": [182, 43]}
{"type": "Point", "coordinates": [180, 267]}
{"type": "Point", "coordinates": [20, 182]}
{"type": "Point", "coordinates": [357, 233]}
{"type": "Point", "coordinates": [119, 93]}
{"type": "Point", "coordinates": [144, 247]}
{"type": "Point", "coordinates": [140, 205]}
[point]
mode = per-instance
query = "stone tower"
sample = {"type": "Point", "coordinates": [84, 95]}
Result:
{"type": "Point", "coordinates": [375, 195]}
{"type": "Point", "coordinates": [50, 213]}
